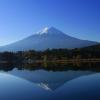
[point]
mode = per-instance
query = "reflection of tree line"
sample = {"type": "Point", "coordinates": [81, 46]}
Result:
{"type": "Point", "coordinates": [52, 66]}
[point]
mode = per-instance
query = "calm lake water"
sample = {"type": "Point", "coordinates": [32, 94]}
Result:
{"type": "Point", "coordinates": [39, 84]}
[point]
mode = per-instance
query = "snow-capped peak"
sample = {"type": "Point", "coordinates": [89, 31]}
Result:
{"type": "Point", "coordinates": [49, 30]}
{"type": "Point", "coordinates": [45, 30]}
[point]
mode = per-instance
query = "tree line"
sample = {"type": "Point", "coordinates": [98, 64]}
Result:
{"type": "Point", "coordinates": [51, 54]}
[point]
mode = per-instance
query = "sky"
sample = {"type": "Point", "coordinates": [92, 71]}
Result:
{"type": "Point", "coordinates": [22, 18]}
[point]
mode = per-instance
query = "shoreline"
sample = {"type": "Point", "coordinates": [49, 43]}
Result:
{"type": "Point", "coordinates": [57, 61]}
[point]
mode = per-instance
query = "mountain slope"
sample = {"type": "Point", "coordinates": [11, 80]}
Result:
{"type": "Point", "coordinates": [48, 38]}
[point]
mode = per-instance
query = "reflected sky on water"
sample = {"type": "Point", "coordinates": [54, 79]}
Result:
{"type": "Point", "coordinates": [43, 84]}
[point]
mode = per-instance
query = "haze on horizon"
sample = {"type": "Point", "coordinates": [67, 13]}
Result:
{"type": "Point", "coordinates": [22, 18]}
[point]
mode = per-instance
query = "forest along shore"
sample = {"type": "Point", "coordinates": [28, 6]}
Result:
{"type": "Point", "coordinates": [64, 61]}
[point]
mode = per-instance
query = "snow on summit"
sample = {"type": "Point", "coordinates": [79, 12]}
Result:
{"type": "Point", "coordinates": [49, 30]}
{"type": "Point", "coordinates": [45, 30]}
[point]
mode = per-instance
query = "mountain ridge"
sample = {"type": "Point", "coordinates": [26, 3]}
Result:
{"type": "Point", "coordinates": [51, 38]}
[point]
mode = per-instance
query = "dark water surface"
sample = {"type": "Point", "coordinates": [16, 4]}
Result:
{"type": "Point", "coordinates": [40, 84]}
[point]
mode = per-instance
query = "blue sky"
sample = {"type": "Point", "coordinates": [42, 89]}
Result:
{"type": "Point", "coordinates": [22, 18]}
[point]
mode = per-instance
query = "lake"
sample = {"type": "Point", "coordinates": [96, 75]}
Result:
{"type": "Point", "coordinates": [38, 83]}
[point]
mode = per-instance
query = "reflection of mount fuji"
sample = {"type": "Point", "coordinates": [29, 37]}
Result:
{"type": "Point", "coordinates": [48, 38]}
{"type": "Point", "coordinates": [49, 80]}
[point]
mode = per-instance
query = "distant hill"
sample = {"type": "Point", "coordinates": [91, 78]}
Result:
{"type": "Point", "coordinates": [94, 47]}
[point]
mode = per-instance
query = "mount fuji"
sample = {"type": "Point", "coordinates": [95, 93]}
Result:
{"type": "Point", "coordinates": [50, 38]}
